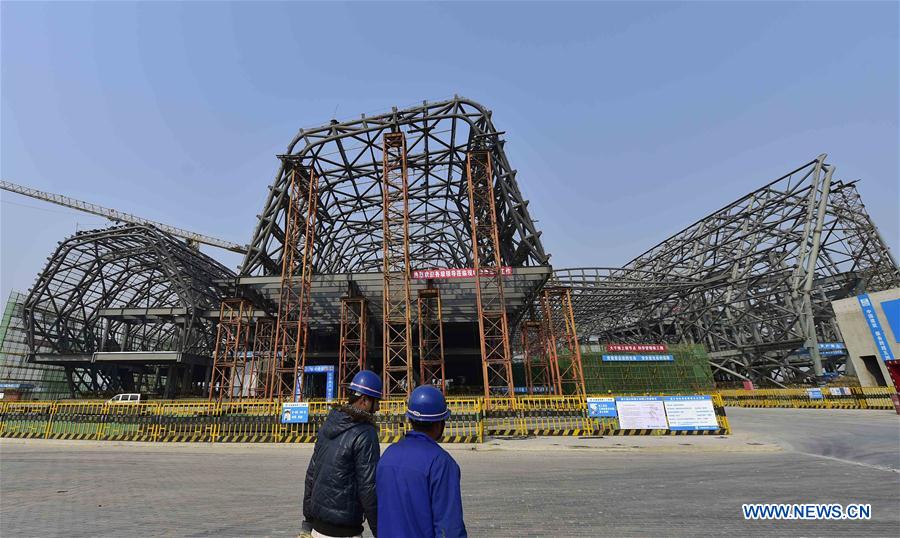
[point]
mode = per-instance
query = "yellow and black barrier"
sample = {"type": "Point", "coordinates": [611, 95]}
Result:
{"type": "Point", "coordinates": [255, 421]}
{"type": "Point", "coordinates": [818, 398]}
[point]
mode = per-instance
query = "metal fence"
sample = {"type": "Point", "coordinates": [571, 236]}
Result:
{"type": "Point", "coordinates": [472, 419]}
{"type": "Point", "coordinates": [823, 398]}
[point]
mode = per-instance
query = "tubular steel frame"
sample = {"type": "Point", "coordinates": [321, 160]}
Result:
{"type": "Point", "coordinates": [352, 353]}
{"type": "Point", "coordinates": [493, 327]}
{"type": "Point", "coordinates": [125, 288]}
{"type": "Point", "coordinates": [285, 379]}
{"type": "Point", "coordinates": [752, 282]}
{"type": "Point", "coordinates": [397, 309]}
{"type": "Point", "coordinates": [347, 157]}
{"type": "Point", "coordinates": [431, 339]}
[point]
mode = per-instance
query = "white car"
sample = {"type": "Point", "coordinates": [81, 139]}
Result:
{"type": "Point", "coordinates": [126, 398]}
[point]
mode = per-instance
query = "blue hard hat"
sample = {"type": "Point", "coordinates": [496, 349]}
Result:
{"type": "Point", "coordinates": [368, 383]}
{"type": "Point", "coordinates": [427, 404]}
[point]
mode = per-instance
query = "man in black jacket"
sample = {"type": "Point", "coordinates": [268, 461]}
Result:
{"type": "Point", "coordinates": [340, 480]}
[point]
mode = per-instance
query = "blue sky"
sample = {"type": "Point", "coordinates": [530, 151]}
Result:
{"type": "Point", "coordinates": [626, 121]}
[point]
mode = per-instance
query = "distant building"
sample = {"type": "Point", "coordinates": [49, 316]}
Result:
{"type": "Point", "coordinates": [20, 379]}
{"type": "Point", "coordinates": [870, 325]}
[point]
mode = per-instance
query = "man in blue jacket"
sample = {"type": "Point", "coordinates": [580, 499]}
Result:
{"type": "Point", "coordinates": [417, 481]}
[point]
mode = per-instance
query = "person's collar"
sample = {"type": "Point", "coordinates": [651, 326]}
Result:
{"type": "Point", "coordinates": [420, 435]}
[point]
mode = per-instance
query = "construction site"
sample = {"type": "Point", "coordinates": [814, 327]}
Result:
{"type": "Point", "coordinates": [403, 243]}
{"type": "Point", "coordinates": [629, 269]}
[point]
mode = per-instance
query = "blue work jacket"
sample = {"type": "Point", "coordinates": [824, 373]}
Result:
{"type": "Point", "coordinates": [417, 483]}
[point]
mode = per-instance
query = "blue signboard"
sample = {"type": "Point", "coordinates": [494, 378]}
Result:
{"type": "Point", "coordinates": [826, 349]}
{"type": "Point", "coordinates": [295, 413]}
{"type": "Point", "coordinates": [690, 413]}
{"type": "Point", "coordinates": [16, 386]}
{"type": "Point", "coordinates": [881, 341]}
{"type": "Point", "coordinates": [891, 311]}
{"type": "Point", "coordinates": [326, 369]}
{"type": "Point", "coordinates": [601, 407]}
{"type": "Point", "coordinates": [523, 390]}
{"type": "Point", "coordinates": [814, 394]}
{"type": "Point", "coordinates": [637, 358]}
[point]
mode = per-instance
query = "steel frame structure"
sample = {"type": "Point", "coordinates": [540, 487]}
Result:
{"type": "Point", "coordinates": [347, 159]}
{"type": "Point", "coordinates": [122, 291]}
{"type": "Point", "coordinates": [431, 339]}
{"type": "Point", "coordinates": [352, 353]}
{"type": "Point", "coordinates": [493, 326]}
{"type": "Point", "coordinates": [397, 358]}
{"type": "Point", "coordinates": [125, 288]}
{"type": "Point", "coordinates": [285, 376]}
{"type": "Point", "coordinates": [752, 282]}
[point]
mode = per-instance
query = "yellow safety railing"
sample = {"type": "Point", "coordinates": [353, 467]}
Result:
{"type": "Point", "coordinates": [260, 421]}
{"type": "Point", "coordinates": [553, 415]}
{"type": "Point", "coordinates": [822, 398]}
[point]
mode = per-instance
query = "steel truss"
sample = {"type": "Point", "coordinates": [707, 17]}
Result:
{"type": "Point", "coordinates": [352, 354]}
{"type": "Point", "coordinates": [752, 282]}
{"type": "Point", "coordinates": [126, 288]}
{"type": "Point", "coordinates": [285, 377]}
{"type": "Point", "coordinates": [493, 327]}
{"type": "Point", "coordinates": [347, 159]}
{"type": "Point", "coordinates": [397, 310]}
{"type": "Point", "coordinates": [431, 339]}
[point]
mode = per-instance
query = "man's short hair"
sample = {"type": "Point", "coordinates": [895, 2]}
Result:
{"type": "Point", "coordinates": [420, 426]}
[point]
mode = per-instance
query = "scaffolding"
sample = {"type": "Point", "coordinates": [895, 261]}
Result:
{"type": "Point", "coordinates": [352, 353]}
{"type": "Point", "coordinates": [397, 330]}
{"type": "Point", "coordinates": [285, 379]}
{"type": "Point", "coordinates": [231, 372]}
{"type": "Point", "coordinates": [488, 269]}
{"type": "Point", "coordinates": [431, 339]}
{"type": "Point", "coordinates": [563, 347]}
{"type": "Point", "coordinates": [263, 355]}
{"type": "Point", "coordinates": [539, 376]}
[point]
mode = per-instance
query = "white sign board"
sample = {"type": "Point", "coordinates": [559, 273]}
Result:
{"type": "Point", "coordinates": [641, 413]}
{"type": "Point", "coordinates": [688, 413]}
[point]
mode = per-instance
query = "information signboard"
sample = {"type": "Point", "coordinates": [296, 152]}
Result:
{"type": "Point", "coordinates": [690, 413]}
{"type": "Point", "coordinates": [641, 413]}
{"type": "Point", "coordinates": [601, 407]}
{"type": "Point", "coordinates": [637, 348]}
{"type": "Point", "coordinates": [465, 272]}
{"type": "Point", "coordinates": [328, 370]}
{"type": "Point", "coordinates": [637, 358]}
{"type": "Point", "coordinates": [878, 336]}
{"type": "Point", "coordinates": [815, 394]}
{"type": "Point", "coordinates": [294, 413]}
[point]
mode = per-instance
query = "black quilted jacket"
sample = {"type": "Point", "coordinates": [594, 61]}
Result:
{"type": "Point", "coordinates": [340, 480]}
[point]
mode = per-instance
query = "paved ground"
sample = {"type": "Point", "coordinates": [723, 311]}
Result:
{"type": "Point", "coordinates": [862, 436]}
{"type": "Point", "coordinates": [626, 486]}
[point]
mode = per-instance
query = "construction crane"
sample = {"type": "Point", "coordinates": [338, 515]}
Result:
{"type": "Point", "coordinates": [118, 216]}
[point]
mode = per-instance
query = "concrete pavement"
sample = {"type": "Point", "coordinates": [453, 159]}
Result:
{"type": "Point", "coordinates": [616, 486]}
